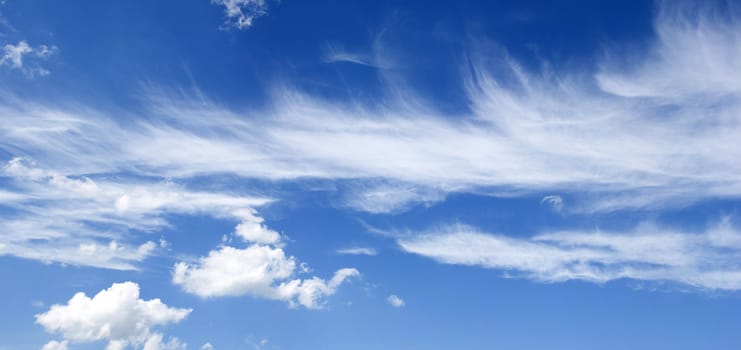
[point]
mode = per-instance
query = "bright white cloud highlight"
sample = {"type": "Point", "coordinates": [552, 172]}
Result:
{"type": "Point", "coordinates": [116, 315]}
{"type": "Point", "coordinates": [241, 13]}
{"type": "Point", "coordinates": [395, 301]}
{"type": "Point", "coordinates": [706, 260]}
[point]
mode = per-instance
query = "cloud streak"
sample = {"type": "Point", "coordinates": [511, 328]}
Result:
{"type": "Point", "coordinates": [705, 260]}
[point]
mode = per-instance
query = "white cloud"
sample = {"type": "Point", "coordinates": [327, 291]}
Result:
{"type": "Point", "coordinates": [116, 315]}
{"type": "Point", "coordinates": [639, 138]}
{"type": "Point", "coordinates": [707, 260]}
{"type": "Point", "coordinates": [260, 271]}
{"type": "Point", "coordinates": [241, 13]}
{"type": "Point", "coordinates": [395, 301]}
{"type": "Point", "coordinates": [81, 221]}
{"type": "Point", "coordinates": [207, 346]}
{"type": "Point", "coordinates": [556, 202]}
{"type": "Point", "coordinates": [55, 345]}
{"type": "Point", "coordinates": [14, 56]}
{"type": "Point", "coordinates": [252, 229]}
{"type": "Point", "coordinates": [605, 132]}
{"type": "Point", "coordinates": [357, 251]}
{"type": "Point", "coordinates": [389, 197]}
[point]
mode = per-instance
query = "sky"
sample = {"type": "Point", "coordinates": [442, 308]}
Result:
{"type": "Point", "coordinates": [281, 174]}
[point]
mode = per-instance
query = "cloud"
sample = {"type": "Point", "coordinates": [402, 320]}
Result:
{"type": "Point", "coordinates": [55, 345]}
{"type": "Point", "coordinates": [334, 53]}
{"type": "Point", "coordinates": [556, 202]}
{"type": "Point", "coordinates": [241, 13]}
{"type": "Point", "coordinates": [207, 346]}
{"type": "Point", "coordinates": [706, 260]}
{"type": "Point", "coordinates": [607, 136]}
{"type": "Point", "coordinates": [93, 222]}
{"type": "Point", "coordinates": [116, 315]}
{"type": "Point", "coordinates": [357, 251]}
{"type": "Point", "coordinates": [395, 301]}
{"type": "Point", "coordinates": [389, 197]}
{"type": "Point", "coordinates": [13, 57]}
{"type": "Point", "coordinates": [260, 270]}
{"type": "Point", "coordinates": [606, 132]}
{"type": "Point", "coordinates": [252, 229]}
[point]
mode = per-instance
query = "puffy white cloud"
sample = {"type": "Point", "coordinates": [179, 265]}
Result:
{"type": "Point", "coordinates": [707, 260]}
{"type": "Point", "coordinates": [357, 251]}
{"type": "Point", "coordinates": [13, 56]}
{"type": "Point", "coordinates": [259, 271]}
{"type": "Point", "coordinates": [241, 13]}
{"type": "Point", "coordinates": [207, 346]}
{"type": "Point", "coordinates": [116, 315]}
{"type": "Point", "coordinates": [395, 301]}
{"type": "Point", "coordinates": [252, 229]}
{"type": "Point", "coordinates": [55, 345]}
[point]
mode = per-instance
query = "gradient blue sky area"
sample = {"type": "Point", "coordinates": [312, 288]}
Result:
{"type": "Point", "coordinates": [263, 174]}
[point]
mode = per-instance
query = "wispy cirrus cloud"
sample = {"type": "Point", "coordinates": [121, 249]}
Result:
{"type": "Point", "coordinates": [706, 260]}
{"type": "Point", "coordinates": [602, 132]}
{"type": "Point", "coordinates": [607, 137]}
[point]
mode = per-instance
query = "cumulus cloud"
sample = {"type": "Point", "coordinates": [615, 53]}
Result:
{"type": "Point", "coordinates": [395, 301]}
{"type": "Point", "coordinates": [116, 315]}
{"type": "Point", "coordinates": [252, 229]}
{"type": "Point", "coordinates": [259, 271]}
{"type": "Point", "coordinates": [241, 13]}
{"type": "Point", "coordinates": [15, 56]}
{"type": "Point", "coordinates": [705, 260]}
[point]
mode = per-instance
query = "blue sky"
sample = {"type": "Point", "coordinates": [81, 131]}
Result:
{"type": "Point", "coordinates": [249, 174]}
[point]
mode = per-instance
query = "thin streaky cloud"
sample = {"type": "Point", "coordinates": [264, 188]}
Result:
{"type": "Point", "coordinates": [357, 251]}
{"type": "Point", "coordinates": [705, 260]}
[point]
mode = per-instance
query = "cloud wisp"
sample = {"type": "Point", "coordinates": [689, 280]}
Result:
{"type": "Point", "coordinates": [707, 260]}
{"type": "Point", "coordinates": [17, 56]}
{"type": "Point", "coordinates": [240, 14]}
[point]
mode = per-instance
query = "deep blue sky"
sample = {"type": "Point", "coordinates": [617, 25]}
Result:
{"type": "Point", "coordinates": [474, 174]}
